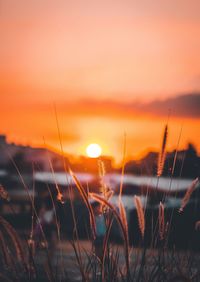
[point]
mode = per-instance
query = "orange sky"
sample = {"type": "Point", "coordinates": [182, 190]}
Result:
{"type": "Point", "coordinates": [105, 64]}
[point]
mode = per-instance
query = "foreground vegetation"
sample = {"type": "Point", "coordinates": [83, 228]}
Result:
{"type": "Point", "coordinates": [24, 259]}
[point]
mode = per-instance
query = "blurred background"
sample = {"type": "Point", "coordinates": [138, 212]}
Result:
{"type": "Point", "coordinates": [74, 73]}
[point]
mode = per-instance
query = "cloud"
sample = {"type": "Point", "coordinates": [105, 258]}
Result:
{"type": "Point", "coordinates": [187, 105]}
{"type": "Point", "coordinates": [181, 106]}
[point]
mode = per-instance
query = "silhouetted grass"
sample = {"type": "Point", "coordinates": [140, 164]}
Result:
{"type": "Point", "coordinates": [19, 256]}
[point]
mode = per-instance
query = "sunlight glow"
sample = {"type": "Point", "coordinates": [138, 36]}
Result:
{"type": "Point", "coordinates": [93, 150]}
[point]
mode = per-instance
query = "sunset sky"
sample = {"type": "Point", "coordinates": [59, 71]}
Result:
{"type": "Point", "coordinates": [108, 67]}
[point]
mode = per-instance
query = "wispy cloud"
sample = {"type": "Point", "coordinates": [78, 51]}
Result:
{"type": "Point", "coordinates": [187, 106]}
{"type": "Point", "coordinates": [181, 106]}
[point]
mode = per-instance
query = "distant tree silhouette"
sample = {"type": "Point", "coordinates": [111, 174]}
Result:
{"type": "Point", "coordinates": [187, 164]}
{"type": "Point", "coordinates": [20, 162]}
{"type": "Point", "coordinates": [191, 166]}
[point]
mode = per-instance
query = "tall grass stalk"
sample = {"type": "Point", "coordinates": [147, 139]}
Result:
{"type": "Point", "coordinates": [140, 214]}
{"type": "Point", "coordinates": [86, 201]}
{"type": "Point", "coordinates": [123, 168]}
{"type": "Point", "coordinates": [161, 219]}
{"type": "Point", "coordinates": [30, 198]}
{"type": "Point", "coordinates": [16, 241]}
{"type": "Point", "coordinates": [75, 241]}
{"type": "Point", "coordinates": [105, 244]}
{"type": "Point", "coordinates": [188, 194]}
{"type": "Point", "coordinates": [3, 246]}
{"type": "Point", "coordinates": [162, 154]}
{"type": "Point", "coordinates": [122, 224]}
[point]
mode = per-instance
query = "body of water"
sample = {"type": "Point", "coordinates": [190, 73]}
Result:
{"type": "Point", "coordinates": [113, 180]}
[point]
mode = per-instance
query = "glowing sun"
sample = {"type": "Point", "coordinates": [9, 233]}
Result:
{"type": "Point", "coordinates": [93, 150]}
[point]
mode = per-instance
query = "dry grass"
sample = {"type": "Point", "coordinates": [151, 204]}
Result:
{"type": "Point", "coordinates": [12, 235]}
{"type": "Point", "coordinates": [140, 214]}
{"type": "Point", "coordinates": [4, 194]}
{"type": "Point", "coordinates": [162, 154]}
{"type": "Point", "coordinates": [86, 200]}
{"type": "Point", "coordinates": [103, 201]}
{"type": "Point", "coordinates": [161, 220]}
{"type": "Point", "coordinates": [188, 194]}
{"type": "Point", "coordinates": [145, 265]}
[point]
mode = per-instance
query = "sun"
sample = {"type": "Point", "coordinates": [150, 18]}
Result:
{"type": "Point", "coordinates": [93, 150]}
